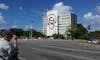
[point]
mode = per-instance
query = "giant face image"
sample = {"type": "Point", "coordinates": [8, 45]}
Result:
{"type": "Point", "coordinates": [51, 21]}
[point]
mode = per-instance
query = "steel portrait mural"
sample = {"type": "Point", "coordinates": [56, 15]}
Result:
{"type": "Point", "coordinates": [51, 21]}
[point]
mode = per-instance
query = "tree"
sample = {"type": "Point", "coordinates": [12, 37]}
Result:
{"type": "Point", "coordinates": [78, 32]}
{"type": "Point", "coordinates": [17, 31]}
{"type": "Point", "coordinates": [58, 36]}
{"type": "Point", "coordinates": [1, 32]}
{"type": "Point", "coordinates": [95, 34]}
{"type": "Point", "coordinates": [20, 32]}
{"type": "Point", "coordinates": [26, 33]}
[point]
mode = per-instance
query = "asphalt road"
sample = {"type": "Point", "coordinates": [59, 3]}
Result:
{"type": "Point", "coordinates": [57, 50]}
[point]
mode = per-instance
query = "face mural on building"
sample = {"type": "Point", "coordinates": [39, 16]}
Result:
{"type": "Point", "coordinates": [51, 21]}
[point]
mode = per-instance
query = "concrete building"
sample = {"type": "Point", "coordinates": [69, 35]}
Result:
{"type": "Point", "coordinates": [54, 23]}
{"type": "Point", "coordinates": [65, 22]}
{"type": "Point", "coordinates": [45, 25]}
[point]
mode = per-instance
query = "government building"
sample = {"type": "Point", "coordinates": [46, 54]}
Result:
{"type": "Point", "coordinates": [55, 23]}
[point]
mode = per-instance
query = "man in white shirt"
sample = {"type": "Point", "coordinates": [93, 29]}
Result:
{"type": "Point", "coordinates": [7, 49]}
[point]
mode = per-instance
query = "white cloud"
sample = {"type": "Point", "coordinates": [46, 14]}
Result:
{"type": "Point", "coordinates": [92, 19]}
{"type": "Point", "coordinates": [98, 9]}
{"type": "Point", "coordinates": [61, 8]}
{"type": "Point", "coordinates": [28, 26]}
{"type": "Point", "coordinates": [2, 27]}
{"type": "Point", "coordinates": [21, 8]}
{"type": "Point", "coordinates": [2, 21]}
{"type": "Point", "coordinates": [0, 13]}
{"type": "Point", "coordinates": [14, 26]}
{"type": "Point", "coordinates": [3, 6]}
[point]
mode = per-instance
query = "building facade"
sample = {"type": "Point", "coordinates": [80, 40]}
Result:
{"type": "Point", "coordinates": [54, 23]}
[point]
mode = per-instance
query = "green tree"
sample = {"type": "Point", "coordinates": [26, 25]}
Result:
{"type": "Point", "coordinates": [95, 34]}
{"type": "Point", "coordinates": [17, 31]}
{"type": "Point", "coordinates": [26, 33]}
{"type": "Point", "coordinates": [78, 32]}
{"type": "Point", "coordinates": [20, 32]}
{"type": "Point", "coordinates": [58, 36]}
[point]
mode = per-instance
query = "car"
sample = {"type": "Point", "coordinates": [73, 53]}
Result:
{"type": "Point", "coordinates": [94, 41]}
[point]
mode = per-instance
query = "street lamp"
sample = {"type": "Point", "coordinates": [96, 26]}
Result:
{"type": "Point", "coordinates": [31, 31]}
{"type": "Point", "coordinates": [89, 30]}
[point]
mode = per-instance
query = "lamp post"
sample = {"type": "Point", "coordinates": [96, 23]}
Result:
{"type": "Point", "coordinates": [31, 31]}
{"type": "Point", "coordinates": [89, 30]}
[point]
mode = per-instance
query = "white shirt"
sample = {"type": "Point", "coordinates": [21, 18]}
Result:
{"type": "Point", "coordinates": [5, 48]}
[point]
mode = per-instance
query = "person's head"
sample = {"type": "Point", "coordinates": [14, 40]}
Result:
{"type": "Point", "coordinates": [7, 35]}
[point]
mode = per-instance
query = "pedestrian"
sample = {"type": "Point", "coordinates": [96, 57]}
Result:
{"type": "Point", "coordinates": [8, 50]}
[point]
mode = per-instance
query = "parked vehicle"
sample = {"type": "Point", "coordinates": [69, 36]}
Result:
{"type": "Point", "coordinates": [94, 41]}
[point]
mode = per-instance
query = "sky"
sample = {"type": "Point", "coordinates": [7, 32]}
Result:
{"type": "Point", "coordinates": [25, 13]}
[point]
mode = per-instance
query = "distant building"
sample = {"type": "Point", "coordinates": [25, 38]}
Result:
{"type": "Point", "coordinates": [54, 23]}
